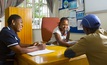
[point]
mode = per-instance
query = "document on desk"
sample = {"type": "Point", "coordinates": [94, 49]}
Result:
{"type": "Point", "coordinates": [71, 42]}
{"type": "Point", "coordinates": [40, 52]}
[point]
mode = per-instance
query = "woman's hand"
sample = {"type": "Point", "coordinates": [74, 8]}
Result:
{"type": "Point", "coordinates": [65, 40]}
{"type": "Point", "coordinates": [41, 46]}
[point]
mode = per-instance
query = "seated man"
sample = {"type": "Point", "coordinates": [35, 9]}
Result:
{"type": "Point", "coordinates": [94, 45]}
{"type": "Point", "coordinates": [10, 43]}
{"type": "Point", "coordinates": [61, 33]}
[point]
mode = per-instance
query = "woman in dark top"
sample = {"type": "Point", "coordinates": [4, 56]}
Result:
{"type": "Point", "coordinates": [10, 43]}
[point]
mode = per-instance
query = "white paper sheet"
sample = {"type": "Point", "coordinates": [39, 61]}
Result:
{"type": "Point", "coordinates": [71, 42]}
{"type": "Point", "coordinates": [40, 52]}
{"type": "Point", "coordinates": [79, 27]}
{"type": "Point", "coordinates": [72, 22]}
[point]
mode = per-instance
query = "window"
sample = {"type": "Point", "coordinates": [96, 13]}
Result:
{"type": "Point", "coordinates": [39, 10]}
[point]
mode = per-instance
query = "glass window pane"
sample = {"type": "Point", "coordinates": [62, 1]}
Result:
{"type": "Point", "coordinates": [39, 10]}
{"type": "Point", "coordinates": [45, 10]}
{"type": "Point", "coordinates": [36, 1]}
{"type": "Point", "coordinates": [44, 1]}
{"type": "Point", "coordinates": [29, 5]}
{"type": "Point", "coordinates": [29, 1]}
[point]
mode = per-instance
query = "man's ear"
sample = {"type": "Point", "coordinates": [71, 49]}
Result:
{"type": "Point", "coordinates": [13, 23]}
{"type": "Point", "coordinates": [87, 30]}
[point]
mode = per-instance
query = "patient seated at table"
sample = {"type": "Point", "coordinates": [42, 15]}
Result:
{"type": "Point", "coordinates": [61, 33]}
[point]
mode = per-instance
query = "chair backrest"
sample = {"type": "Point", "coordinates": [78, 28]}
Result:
{"type": "Point", "coordinates": [47, 27]}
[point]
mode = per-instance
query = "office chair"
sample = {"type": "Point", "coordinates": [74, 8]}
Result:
{"type": "Point", "coordinates": [47, 27]}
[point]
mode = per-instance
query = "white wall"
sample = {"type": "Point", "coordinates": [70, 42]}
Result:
{"type": "Point", "coordinates": [55, 10]}
{"type": "Point", "coordinates": [2, 23]}
{"type": "Point", "coordinates": [95, 6]}
{"type": "Point", "coordinates": [103, 18]}
{"type": "Point", "coordinates": [36, 35]}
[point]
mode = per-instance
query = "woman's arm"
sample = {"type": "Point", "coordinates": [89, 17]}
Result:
{"type": "Point", "coordinates": [60, 41]}
{"type": "Point", "coordinates": [68, 35]}
{"type": "Point", "coordinates": [27, 45]}
{"type": "Point", "coordinates": [20, 50]}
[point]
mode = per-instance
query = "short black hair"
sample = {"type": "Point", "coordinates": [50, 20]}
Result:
{"type": "Point", "coordinates": [62, 19]}
{"type": "Point", "coordinates": [13, 17]}
{"type": "Point", "coordinates": [92, 30]}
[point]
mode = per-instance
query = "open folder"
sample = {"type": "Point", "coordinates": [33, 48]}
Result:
{"type": "Point", "coordinates": [40, 52]}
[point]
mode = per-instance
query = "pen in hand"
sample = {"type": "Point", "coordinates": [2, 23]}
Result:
{"type": "Point", "coordinates": [35, 44]}
{"type": "Point", "coordinates": [40, 45]}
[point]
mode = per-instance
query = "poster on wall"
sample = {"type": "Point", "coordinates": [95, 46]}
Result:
{"type": "Point", "coordinates": [72, 4]}
{"type": "Point", "coordinates": [74, 10]}
{"type": "Point", "coordinates": [72, 22]}
{"type": "Point", "coordinates": [75, 18]}
{"type": "Point", "coordinates": [80, 5]}
{"type": "Point", "coordinates": [80, 14]}
{"type": "Point", "coordinates": [79, 26]}
{"type": "Point", "coordinates": [72, 14]}
{"type": "Point", "coordinates": [65, 3]}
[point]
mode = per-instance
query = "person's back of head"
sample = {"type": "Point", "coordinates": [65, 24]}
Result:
{"type": "Point", "coordinates": [91, 22]}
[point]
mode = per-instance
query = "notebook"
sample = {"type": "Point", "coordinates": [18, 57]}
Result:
{"type": "Point", "coordinates": [40, 52]}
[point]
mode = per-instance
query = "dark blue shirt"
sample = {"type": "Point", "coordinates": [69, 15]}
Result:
{"type": "Point", "coordinates": [8, 38]}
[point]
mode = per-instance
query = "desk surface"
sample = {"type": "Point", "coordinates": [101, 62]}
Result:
{"type": "Point", "coordinates": [54, 58]}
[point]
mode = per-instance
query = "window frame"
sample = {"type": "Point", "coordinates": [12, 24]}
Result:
{"type": "Point", "coordinates": [36, 22]}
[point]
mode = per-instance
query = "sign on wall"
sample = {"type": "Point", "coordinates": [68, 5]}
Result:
{"type": "Point", "coordinates": [74, 10]}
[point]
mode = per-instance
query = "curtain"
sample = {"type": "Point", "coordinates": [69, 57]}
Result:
{"type": "Point", "coordinates": [50, 5]}
{"type": "Point", "coordinates": [6, 3]}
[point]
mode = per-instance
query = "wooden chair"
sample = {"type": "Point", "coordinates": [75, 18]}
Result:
{"type": "Point", "coordinates": [47, 27]}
